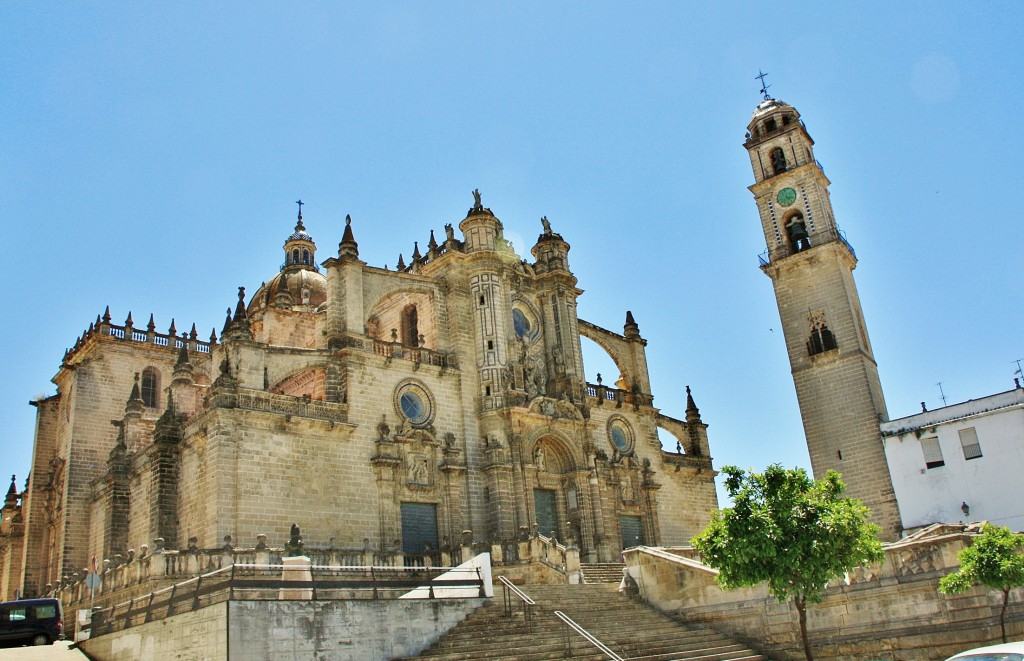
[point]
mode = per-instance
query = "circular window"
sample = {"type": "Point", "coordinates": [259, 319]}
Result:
{"type": "Point", "coordinates": [621, 436]}
{"type": "Point", "coordinates": [414, 403]}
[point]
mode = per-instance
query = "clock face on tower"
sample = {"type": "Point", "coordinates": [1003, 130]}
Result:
{"type": "Point", "coordinates": [786, 197]}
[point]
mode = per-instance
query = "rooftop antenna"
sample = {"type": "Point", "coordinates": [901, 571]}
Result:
{"type": "Point", "coordinates": [764, 86]}
{"type": "Point", "coordinates": [939, 384]}
{"type": "Point", "coordinates": [1019, 371]}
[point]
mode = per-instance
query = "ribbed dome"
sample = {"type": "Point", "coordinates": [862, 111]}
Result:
{"type": "Point", "coordinates": [300, 234]}
{"type": "Point", "coordinates": [291, 287]}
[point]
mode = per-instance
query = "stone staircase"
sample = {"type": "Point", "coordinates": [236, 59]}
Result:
{"type": "Point", "coordinates": [629, 628]}
{"type": "Point", "coordinates": [602, 572]}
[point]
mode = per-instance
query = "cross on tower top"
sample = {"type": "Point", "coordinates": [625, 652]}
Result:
{"type": "Point", "coordinates": [764, 86]}
{"type": "Point", "coordinates": [300, 203]}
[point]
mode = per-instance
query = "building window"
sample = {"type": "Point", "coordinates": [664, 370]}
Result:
{"type": "Point", "coordinates": [821, 340]}
{"type": "Point", "coordinates": [150, 386]}
{"type": "Point", "coordinates": [932, 452]}
{"type": "Point", "coordinates": [305, 257]}
{"type": "Point", "coordinates": [414, 403]}
{"type": "Point", "coordinates": [778, 158]}
{"type": "Point", "coordinates": [410, 326]}
{"type": "Point", "coordinates": [620, 435]}
{"type": "Point", "coordinates": [295, 256]}
{"type": "Point", "coordinates": [969, 443]}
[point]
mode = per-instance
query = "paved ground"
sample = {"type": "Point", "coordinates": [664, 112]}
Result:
{"type": "Point", "coordinates": [56, 652]}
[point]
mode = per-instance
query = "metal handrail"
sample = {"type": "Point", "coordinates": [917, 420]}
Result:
{"type": "Point", "coordinates": [191, 592]}
{"type": "Point", "coordinates": [571, 624]}
{"type": "Point", "coordinates": [528, 604]}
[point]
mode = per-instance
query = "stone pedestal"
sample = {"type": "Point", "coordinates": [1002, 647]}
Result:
{"type": "Point", "coordinates": [296, 568]}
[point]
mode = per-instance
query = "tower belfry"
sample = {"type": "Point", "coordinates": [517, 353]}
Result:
{"type": "Point", "coordinates": [811, 266]}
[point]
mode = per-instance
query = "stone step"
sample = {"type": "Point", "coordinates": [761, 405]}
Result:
{"type": "Point", "coordinates": [605, 572]}
{"type": "Point", "coordinates": [628, 627]}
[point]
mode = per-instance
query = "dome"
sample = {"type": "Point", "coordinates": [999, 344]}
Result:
{"type": "Point", "coordinates": [290, 288]}
{"type": "Point", "coordinates": [769, 105]}
{"type": "Point", "coordinates": [300, 234]}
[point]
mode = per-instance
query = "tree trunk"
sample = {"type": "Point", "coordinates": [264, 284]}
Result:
{"type": "Point", "coordinates": [801, 609]}
{"type": "Point", "coordinates": [1002, 613]}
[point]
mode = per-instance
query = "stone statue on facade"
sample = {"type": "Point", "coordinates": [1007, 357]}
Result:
{"type": "Point", "coordinates": [294, 547]}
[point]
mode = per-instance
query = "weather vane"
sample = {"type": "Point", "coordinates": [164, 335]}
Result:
{"type": "Point", "coordinates": [300, 203]}
{"type": "Point", "coordinates": [764, 87]}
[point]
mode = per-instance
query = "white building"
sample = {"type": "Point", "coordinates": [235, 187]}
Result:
{"type": "Point", "coordinates": [959, 463]}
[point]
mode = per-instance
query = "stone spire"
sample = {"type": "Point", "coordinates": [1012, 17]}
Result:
{"type": "Point", "coordinates": [630, 329]}
{"type": "Point", "coordinates": [401, 263]}
{"type": "Point", "coordinates": [135, 405]}
{"type": "Point", "coordinates": [432, 245]}
{"type": "Point", "coordinates": [183, 367]}
{"type": "Point", "coordinates": [283, 297]}
{"type": "Point", "coordinates": [240, 313]}
{"type": "Point", "coordinates": [348, 248]}
{"type": "Point", "coordinates": [692, 412]}
{"type": "Point", "coordinates": [12, 495]}
{"type": "Point", "coordinates": [237, 327]}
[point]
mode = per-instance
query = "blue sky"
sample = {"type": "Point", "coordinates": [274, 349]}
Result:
{"type": "Point", "coordinates": [151, 153]}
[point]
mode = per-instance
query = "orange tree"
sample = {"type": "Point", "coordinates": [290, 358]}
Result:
{"type": "Point", "coordinates": [993, 560]}
{"type": "Point", "coordinates": [789, 531]}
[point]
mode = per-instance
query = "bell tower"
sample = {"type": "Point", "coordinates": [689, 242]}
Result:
{"type": "Point", "coordinates": [811, 266]}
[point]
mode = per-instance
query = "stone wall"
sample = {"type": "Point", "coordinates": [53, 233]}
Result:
{"type": "Point", "coordinates": [296, 630]}
{"type": "Point", "coordinates": [342, 630]}
{"type": "Point", "coordinates": [200, 634]}
{"type": "Point", "coordinates": [889, 611]}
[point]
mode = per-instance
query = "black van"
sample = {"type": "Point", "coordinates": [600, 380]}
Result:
{"type": "Point", "coordinates": [30, 622]}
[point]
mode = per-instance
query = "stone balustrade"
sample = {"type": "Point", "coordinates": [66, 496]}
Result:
{"type": "Point", "coordinates": [259, 400]}
{"type": "Point", "coordinates": [890, 610]}
{"type": "Point", "coordinates": [138, 573]}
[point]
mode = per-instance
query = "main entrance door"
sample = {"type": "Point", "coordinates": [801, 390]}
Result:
{"type": "Point", "coordinates": [419, 527]}
{"type": "Point", "coordinates": [632, 529]}
{"type": "Point", "coordinates": [546, 505]}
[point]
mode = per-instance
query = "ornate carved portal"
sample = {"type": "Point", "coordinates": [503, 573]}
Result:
{"type": "Point", "coordinates": [413, 467]}
{"type": "Point", "coordinates": [556, 498]}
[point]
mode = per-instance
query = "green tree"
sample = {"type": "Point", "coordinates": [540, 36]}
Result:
{"type": "Point", "coordinates": [993, 560]}
{"type": "Point", "coordinates": [789, 531]}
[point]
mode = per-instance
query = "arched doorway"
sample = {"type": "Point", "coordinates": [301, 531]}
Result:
{"type": "Point", "coordinates": [555, 490]}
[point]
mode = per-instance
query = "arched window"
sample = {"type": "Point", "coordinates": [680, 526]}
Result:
{"type": "Point", "coordinates": [778, 158]}
{"type": "Point", "coordinates": [305, 257]}
{"type": "Point", "coordinates": [821, 340]}
{"type": "Point", "coordinates": [410, 326]}
{"type": "Point", "coordinates": [796, 230]}
{"type": "Point", "coordinates": [295, 256]}
{"type": "Point", "coordinates": [150, 386]}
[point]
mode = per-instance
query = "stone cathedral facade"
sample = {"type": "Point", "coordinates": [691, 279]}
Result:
{"type": "Point", "coordinates": [391, 409]}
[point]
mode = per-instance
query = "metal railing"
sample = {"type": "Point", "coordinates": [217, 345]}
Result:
{"type": "Point", "coordinates": [510, 591]}
{"type": "Point", "coordinates": [265, 583]}
{"type": "Point", "coordinates": [571, 626]}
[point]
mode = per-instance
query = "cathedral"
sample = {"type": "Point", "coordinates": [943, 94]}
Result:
{"type": "Point", "coordinates": [402, 409]}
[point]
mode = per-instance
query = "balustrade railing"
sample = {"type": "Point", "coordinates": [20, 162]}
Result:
{"type": "Point", "coordinates": [396, 350]}
{"type": "Point", "coordinates": [130, 333]}
{"type": "Point", "coordinates": [258, 400]}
